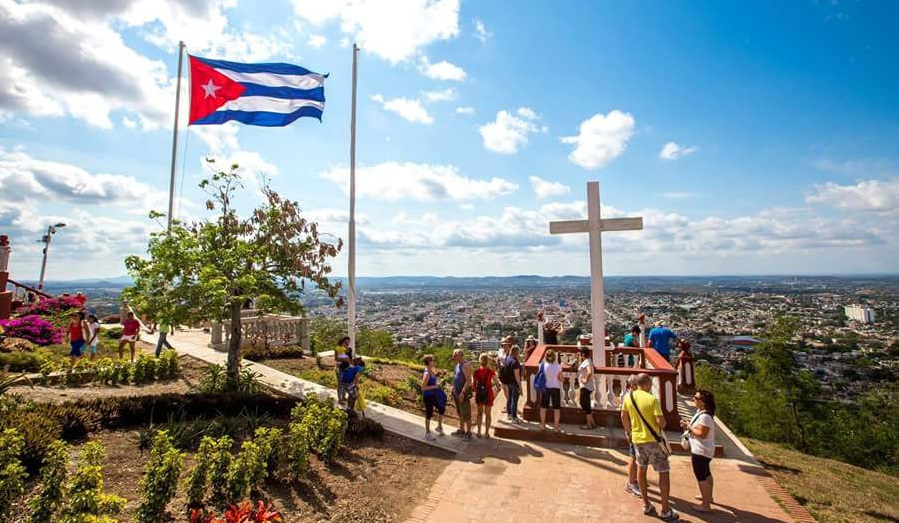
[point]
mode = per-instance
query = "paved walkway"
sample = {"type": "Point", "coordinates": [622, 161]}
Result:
{"type": "Point", "coordinates": [502, 480]}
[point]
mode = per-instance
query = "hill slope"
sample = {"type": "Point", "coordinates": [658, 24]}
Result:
{"type": "Point", "coordinates": [832, 491]}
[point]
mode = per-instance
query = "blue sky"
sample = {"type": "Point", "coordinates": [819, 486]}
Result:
{"type": "Point", "coordinates": [753, 138]}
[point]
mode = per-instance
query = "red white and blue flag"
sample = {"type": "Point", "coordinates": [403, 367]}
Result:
{"type": "Point", "coordinates": [271, 95]}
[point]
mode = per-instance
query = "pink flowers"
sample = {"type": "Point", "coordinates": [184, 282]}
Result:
{"type": "Point", "coordinates": [50, 306]}
{"type": "Point", "coordinates": [34, 329]}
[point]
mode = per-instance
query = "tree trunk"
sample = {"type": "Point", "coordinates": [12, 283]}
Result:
{"type": "Point", "coordinates": [234, 346]}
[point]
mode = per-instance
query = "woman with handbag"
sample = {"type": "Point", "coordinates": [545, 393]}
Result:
{"type": "Point", "coordinates": [700, 431]}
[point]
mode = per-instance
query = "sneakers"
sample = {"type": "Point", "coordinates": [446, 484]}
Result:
{"type": "Point", "coordinates": [467, 436]}
{"type": "Point", "coordinates": [634, 489]}
{"type": "Point", "coordinates": [457, 432]}
{"type": "Point", "coordinates": [439, 430]}
{"type": "Point", "coordinates": [649, 510]}
{"type": "Point", "coordinates": [671, 515]}
{"type": "Point", "coordinates": [430, 436]}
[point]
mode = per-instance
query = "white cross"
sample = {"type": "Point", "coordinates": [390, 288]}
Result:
{"type": "Point", "coordinates": [595, 226]}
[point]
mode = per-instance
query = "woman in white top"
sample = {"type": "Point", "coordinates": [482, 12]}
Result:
{"type": "Point", "coordinates": [702, 445]}
{"type": "Point", "coordinates": [553, 395]}
{"type": "Point", "coordinates": [585, 378]}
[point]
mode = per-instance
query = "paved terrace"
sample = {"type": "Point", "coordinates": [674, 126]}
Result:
{"type": "Point", "coordinates": [504, 480]}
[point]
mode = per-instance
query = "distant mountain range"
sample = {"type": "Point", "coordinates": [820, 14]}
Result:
{"type": "Point", "coordinates": [533, 281]}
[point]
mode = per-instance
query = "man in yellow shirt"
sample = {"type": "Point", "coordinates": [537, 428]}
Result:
{"type": "Point", "coordinates": [647, 448]}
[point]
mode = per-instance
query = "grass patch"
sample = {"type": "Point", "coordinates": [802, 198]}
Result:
{"type": "Point", "coordinates": [834, 492]}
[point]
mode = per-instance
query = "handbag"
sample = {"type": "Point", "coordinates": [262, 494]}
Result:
{"type": "Point", "coordinates": [685, 437]}
{"type": "Point", "coordinates": [663, 443]}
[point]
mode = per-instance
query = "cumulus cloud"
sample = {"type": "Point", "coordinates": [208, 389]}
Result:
{"type": "Point", "coordinates": [866, 195]}
{"type": "Point", "coordinates": [480, 30]}
{"type": "Point", "coordinates": [392, 181]}
{"type": "Point", "coordinates": [408, 109]}
{"type": "Point", "coordinates": [445, 95]}
{"type": "Point", "coordinates": [442, 70]}
{"type": "Point", "coordinates": [334, 216]}
{"type": "Point", "coordinates": [394, 32]}
{"type": "Point", "coordinates": [673, 151]}
{"type": "Point", "coordinates": [66, 57]}
{"type": "Point", "coordinates": [510, 131]}
{"type": "Point", "coordinates": [316, 41]}
{"type": "Point", "coordinates": [601, 139]}
{"type": "Point", "coordinates": [545, 188]}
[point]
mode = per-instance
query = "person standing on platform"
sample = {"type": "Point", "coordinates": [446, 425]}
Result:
{"type": "Point", "coordinates": [513, 369]}
{"type": "Point", "coordinates": [485, 389]}
{"type": "Point", "coordinates": [462, 393]}
{"type": "Point", "coordinates": [632, 339]}
{"type": "Point", "coordinates": [430, 392]}
{"type": "Point", "coordinates": [632, 486]}
{"type": "Point", "coordinates": [585, 373]}
{"type": "Point", "coordinates": [702, 446]}
{"type": "Point", "coordinates": [502, 361]}
{"type": "Point", "coordinates": [552, 397]}
{"type": "Point", "coordinates": [644, 423]}
{"type": "Point", "coordinates": [659, 338]}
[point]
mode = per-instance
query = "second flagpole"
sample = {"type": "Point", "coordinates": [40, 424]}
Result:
{"type": "Point", "coordinates": [351, 269]}
{"type": "Point", "coordinates": [175, 136]}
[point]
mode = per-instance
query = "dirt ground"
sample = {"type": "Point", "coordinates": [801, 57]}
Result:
{"type": "Point", "coordinates": [191, 371]}
{"type": "Point", "coordinates": [393, 376]}
{"type": "Point", "coordinates": [379, 481]}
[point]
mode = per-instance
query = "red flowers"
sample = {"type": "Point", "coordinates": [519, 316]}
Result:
{"type": "Point", "coordinates": [243, 513]}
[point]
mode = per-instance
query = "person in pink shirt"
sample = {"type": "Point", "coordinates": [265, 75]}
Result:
{"type": "Point", "coordinates": [130, 332]}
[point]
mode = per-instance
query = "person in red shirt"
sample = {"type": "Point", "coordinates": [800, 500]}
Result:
{"type": "Point", "coordinates": [486, 385]}
{"type": "Point", "coordinates": [81, 299]}
{"type": "Point", "coordinates": [130, 332]}
{"type": "Point", "coordinates": [76, 335]}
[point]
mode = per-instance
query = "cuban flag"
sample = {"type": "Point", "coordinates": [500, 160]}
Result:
{"type": "Point", "coordinates": [271, 95]}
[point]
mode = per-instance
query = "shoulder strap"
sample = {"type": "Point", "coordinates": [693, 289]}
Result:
{"type": "Point", "coordinates": [648, 426]}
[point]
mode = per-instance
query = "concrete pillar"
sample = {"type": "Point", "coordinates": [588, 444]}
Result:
{"type": "Point", "coordinates": [5, 296]}
{"type": "Point", "coordinates": [686, 370]}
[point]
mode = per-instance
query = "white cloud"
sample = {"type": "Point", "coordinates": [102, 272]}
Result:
{"type": "Point", "coordinates": [225, 150]}
{"type": "Point", "coordinates": [445, 95]}
{"type": "Point", "coordinates": [395, 31]}
{"type": "Point", "coordinates": [442, 70]}
{"type": "Point", "coordinates": [316, 41]}
{"type": "Point", "coordinates": [392, 181]}
{"type": "Point", "coordinates": [408, 109]}
{"type": "Point", "coordinates": [480, 30]}
{"type": "Point", "coordinates": [673, 151]}
{"type": "Point", "coordinates": [602, 138]}
{"type": "Point", "coordinates": [866, 195]}
{"type": "Point", "coordinates": [464, 110]}
{"type": "Point", "coordinates": [510, 131]}
{"type": "Point", "coordinates": [545, 189]}
{"type": "Point", "coordinates": [334, 216]}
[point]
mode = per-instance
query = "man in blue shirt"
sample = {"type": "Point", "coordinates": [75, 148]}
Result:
{"type": "Point", "coordinates": [659, 337]}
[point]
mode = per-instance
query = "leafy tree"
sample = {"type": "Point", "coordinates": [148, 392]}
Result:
{"type": "Point", "coordinates": [206, 270]}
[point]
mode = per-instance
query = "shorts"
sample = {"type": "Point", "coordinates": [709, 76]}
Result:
{"type": "Point", "coordinates": [652, 454]}
{"type": "Point", "coordinates": [463, 406]}
{"type": "Point", "coordinates": [551, 396]}
{"type": "Point", "coordinates": [585, 400]}
{"type": "Point", "coordinates": [129, 337]}
{"type": "Point", "coordinates": [93, 348]}
{"type": "Point", "coordinates": [430, 405]}
{"type": "Point", "coordinates": [631, 451]}
{"type": "Point", "coordinates": [77, 345]}
{"type": "Point", "coordinates": [701, 467]}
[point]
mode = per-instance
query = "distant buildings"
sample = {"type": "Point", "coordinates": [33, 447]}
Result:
{"type": "Point", "coordinates": [859, 313]}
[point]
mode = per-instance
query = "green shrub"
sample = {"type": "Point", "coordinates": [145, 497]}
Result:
{"type": "Point", "coordinates": [12, 472]}
{"type": "Point", "coordinates": [24, 361]}
{"type": "Point", "coordinates": [86, 501]}
{"type": "Point", "coordinates": [325, 425]}
{"type": "Point", "coordinates": [247, 470]}
{"type": "Point", "coordinates": [167, 366]}
{"type": "Point", "coordinates": [383, 394]}
{"type": "Point", "coordinates": [270, 440]}
{"type": "Point", "coordinates": [220, 463]}
{"type": "Point", "coordinates": [271, 353]}
{"type": "Point", "coordinates": [143, 370]}
{"type": "Point", "coordinates": [214, 380]}
{"type": "Point", "coordinates": [160, 479]}
{"type": "Point", "coordinates": [39, 432]}
{"type": "Point", "coordinates": [297, 450]}
{"type": "Point", "coordinates": [48, 500]}
{"type": "Point", "coordinates": [113, 333]}
{"type": "Point", "coordinates": [198, 478]}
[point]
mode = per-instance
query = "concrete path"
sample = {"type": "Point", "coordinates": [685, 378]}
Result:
{"type": "Point", "coordinates": [503, 480]}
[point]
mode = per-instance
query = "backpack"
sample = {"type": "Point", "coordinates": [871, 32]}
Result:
{"type": "Point", "coordinates": [540, 381]}
{"type": "Point", "coordinates": [481, 392]}
{"type": "Point", "coordinates": [505, 373]}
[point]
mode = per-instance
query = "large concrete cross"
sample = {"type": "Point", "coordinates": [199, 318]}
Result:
{"type": "Point", "coordinates": [594, 226]}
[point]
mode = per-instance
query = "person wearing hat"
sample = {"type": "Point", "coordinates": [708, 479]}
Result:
{"type": "Point", "coordinates": [530, 344]}
{"type": "Point", "coordinates": [502, 360]}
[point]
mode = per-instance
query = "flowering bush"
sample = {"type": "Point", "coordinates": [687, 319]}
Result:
{"type": "Point", "coordinates": [243, 513]}
{"type": "Point", "coordinates": [34, 329]}
{"type": "Point", "coordinates": [50, 306]}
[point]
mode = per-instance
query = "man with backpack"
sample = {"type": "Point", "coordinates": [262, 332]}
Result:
{"type": "Point", "coordinates": [641, 416]}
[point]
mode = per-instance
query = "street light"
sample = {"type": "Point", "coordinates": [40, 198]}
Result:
{"type": "Point", "coordinates": [51, 230]}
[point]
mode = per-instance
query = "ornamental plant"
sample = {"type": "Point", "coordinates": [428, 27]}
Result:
{"type": "Point", "coordinates": [12, 472]}
{"type": "Point", "coordinates": [198, 478]}
{"type": "Point", "coordinates": [86, 501]}
{"type": "Point", "coordinates": [243, 513]}
{"type": "Point", "coordinates": [51, 306]}
{"type": "Point", "coordinates": [160, 481]}
{"type": "Point", "coordinates": [53, 475]}
{"type": "Point", "coordinates": [34, 329]}
{"type": "Point", "coordinates": [220, 462]}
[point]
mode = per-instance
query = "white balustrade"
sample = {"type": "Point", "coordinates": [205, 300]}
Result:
{"type": "Point", "coordinates": [273, 330]}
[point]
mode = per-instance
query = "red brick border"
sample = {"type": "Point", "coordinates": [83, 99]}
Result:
{"type": "Point", "coordinates": [789, 503]}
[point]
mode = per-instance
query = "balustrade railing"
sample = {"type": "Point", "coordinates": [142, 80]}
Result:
{"type": "Point", "coordinates": [609, 381]}
{"type": "Point", "coordinates": [271, 330]}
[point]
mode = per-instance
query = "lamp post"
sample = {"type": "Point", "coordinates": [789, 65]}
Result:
{"type": "Point", "coordinates": [51, 230]}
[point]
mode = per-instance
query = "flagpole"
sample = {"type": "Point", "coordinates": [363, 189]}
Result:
{"type": "Point", "coordinates": [175, 136]}
{"type": "Point", "coordinates": [351, 269]}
